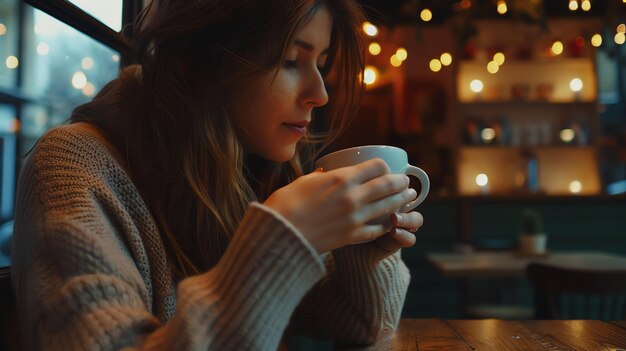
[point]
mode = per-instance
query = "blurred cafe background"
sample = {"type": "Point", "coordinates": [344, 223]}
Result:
{"type": "Point", "coordinates": [515, 109]}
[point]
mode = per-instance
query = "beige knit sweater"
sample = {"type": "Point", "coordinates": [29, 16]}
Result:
{"type": "Point", "coordinates": [90, 271]}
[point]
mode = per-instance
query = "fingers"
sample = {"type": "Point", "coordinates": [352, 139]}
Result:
{"type": "Point", "coordinates": [396, 239]}
{"type": "Point", "coordinates": [389, 204]}
{"type": "Point", "coordinates": [402, 237]}
{"type": "Point", "coordinates": [367, 233]}
{"type": "Point", "coordinates": [411, 221]}
{"type": "Point", "coordinates": [384, 186]}
{"type": "Point", "coordinates": [370, 169]}
{"type": "Point", "coordinates": [353, 175]}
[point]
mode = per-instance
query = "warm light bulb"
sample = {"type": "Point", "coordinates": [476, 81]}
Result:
{"type": "Point", "coordinates": [567, 135]}
{"type": "Point", "coordinates": [502, 9]}
{"type": "Point", "coordinates": [395, 61]}
{"type": "Point", "coordinates": [557, 48]}
{"type": "Point", "coordinates": [3, 29]}
{"type": "Point", "coordinates": [576, 85]}
{"type": "Point", "coordinates": [374, 48]}
{"type": "Point", "coordinates": [499, 58]}
{"type": "Point", "coordinates": [596, 40]}
{"type": "Point", "coordinates": [426, 15]}
{"type": "Point", "coordinates": [87, 63]}
{"type": "Point", "coordinates": [89, 89]}
{"type": "Point", "coordinates": [575, 186]}
{"type": "Point", "coordinates": [585, 5]}
{"type": "Point", "coordinates": [370, 29]}
{"type": "Point", "coordinates": [493, 67]}
{"type": "Point", "coordinates": [12, 62]}
{"type": "Point", "coordinates": [620, 38]}
{"type": "Point", "coordinates": [621, 28]}
{"type": "Point", "coordinates": [573, 5]}
{"type": "Point", "coordinates": [446, 59]}
{"type": "Point", "coordinates": [402, 54]}
{"type": "Point", "coordinates": [43, 49]}
{"type": "Point", "coordinates": [488, 134]}
{"type": "Point", "coordinates": [482, 179]}
{"type": "Point", "coordinates": [435, 65]}
{"type": "Point", "coordinates": [370, 75]}
{"type": "Point", "coordinates": [79, 80]}
{"type": "Point", "coordinates": [476, 86]}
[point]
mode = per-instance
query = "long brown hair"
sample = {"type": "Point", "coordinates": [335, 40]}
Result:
{"type": "Point", "coordinates": [184, 153]}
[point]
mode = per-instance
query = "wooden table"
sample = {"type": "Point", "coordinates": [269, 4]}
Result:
{"type": "Point", "coordinates": [508, 264]}
{"type": "Point", "coordinates": [499, 335]}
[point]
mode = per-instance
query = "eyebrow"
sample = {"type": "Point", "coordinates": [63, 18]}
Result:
{"type": "Point", "coordinates": [308, 46]}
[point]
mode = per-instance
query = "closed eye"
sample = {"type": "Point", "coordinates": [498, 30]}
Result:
{"type": "Point", "coordinates": [290, 64]}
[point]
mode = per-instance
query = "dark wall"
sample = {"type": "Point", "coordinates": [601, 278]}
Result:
{"type": "Point", "coordinates": [572, 224]}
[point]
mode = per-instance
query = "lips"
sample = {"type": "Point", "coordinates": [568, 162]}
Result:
{"type": "Point", "coordinates": [297, 125]}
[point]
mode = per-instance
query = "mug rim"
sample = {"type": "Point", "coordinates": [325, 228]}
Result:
{"type": "Point", "coordinates": [360, 147]}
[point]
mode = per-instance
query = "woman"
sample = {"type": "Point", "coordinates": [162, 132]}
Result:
{"type": "Point", "coordinates": [173, 214]}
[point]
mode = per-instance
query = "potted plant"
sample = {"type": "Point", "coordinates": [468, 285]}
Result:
{"type": "Point", "coordinates": [533, 239]}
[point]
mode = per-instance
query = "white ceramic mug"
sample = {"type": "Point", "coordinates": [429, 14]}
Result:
{"type": "Point", "coordinates": [395, 158]}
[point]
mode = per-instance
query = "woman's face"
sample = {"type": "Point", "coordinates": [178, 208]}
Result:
{"type": "Point", "coordinates": [273, 113]}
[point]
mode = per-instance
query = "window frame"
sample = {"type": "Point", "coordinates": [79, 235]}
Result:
{"type": "Point", "coordinates": [80, 20]}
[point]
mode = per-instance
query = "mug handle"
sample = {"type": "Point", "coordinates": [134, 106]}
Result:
{"type": "Point", "coordinates": [423, 178]}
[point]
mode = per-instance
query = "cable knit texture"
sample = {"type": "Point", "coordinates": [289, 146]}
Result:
{"type": "Point", "coordinates": [90, 270]}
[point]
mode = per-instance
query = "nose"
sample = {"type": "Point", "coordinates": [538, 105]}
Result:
{"type": "Point", "coordinates": [314, 93]}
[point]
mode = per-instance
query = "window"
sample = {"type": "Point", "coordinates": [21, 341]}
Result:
{"type": "Point", "coordinates": [108, 12]}
{"type": "Point", "coordinates": [64, 68]}
{"type": "Point", "coordinates": [8, 139]}
{"type": "Point", "coordinates": [48, 66]}
{"type": "Point", "coordinates": [9, 57]}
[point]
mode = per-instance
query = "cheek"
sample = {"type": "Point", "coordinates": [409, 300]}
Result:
{"type": "Point", "coordinates": [248, 103]}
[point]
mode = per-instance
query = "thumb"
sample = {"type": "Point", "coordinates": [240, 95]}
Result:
{"type": "Point", "coordinates": [317, 171]}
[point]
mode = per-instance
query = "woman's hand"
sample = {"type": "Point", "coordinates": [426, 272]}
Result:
{"type": "Point", "coordinates": [331, 209]}
{"type": "Point", "coordinates": [401, 234]}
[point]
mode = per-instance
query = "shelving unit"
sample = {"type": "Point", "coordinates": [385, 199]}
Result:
{"type": "Point", "coordinates": [528, 110]}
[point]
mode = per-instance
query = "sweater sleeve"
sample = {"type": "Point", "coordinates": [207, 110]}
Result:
{"type": "Point", "coordinates": [246, 301]}
{"type": "Point", "coordinates": [362, 297]}
{"type": "Point", "coordinates": [80, 287]}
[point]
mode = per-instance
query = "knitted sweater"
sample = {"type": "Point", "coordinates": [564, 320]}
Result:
{"type": "Point", "coordinates": [90, 272]}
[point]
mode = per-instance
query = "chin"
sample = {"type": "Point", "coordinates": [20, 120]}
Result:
{"type": "Point", "coordinates": [282, 155]}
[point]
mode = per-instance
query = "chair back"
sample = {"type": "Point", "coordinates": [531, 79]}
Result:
{"type": "Point", "coordinates": [565, 293]}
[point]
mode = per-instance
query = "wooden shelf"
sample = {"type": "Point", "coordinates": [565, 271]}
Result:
{"type": "Point", "coordinates": [530, 118]}
{"type": "Point", "coordinates": [558, 168]}
{"type": "Point", "coordinates": [531, 74]}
